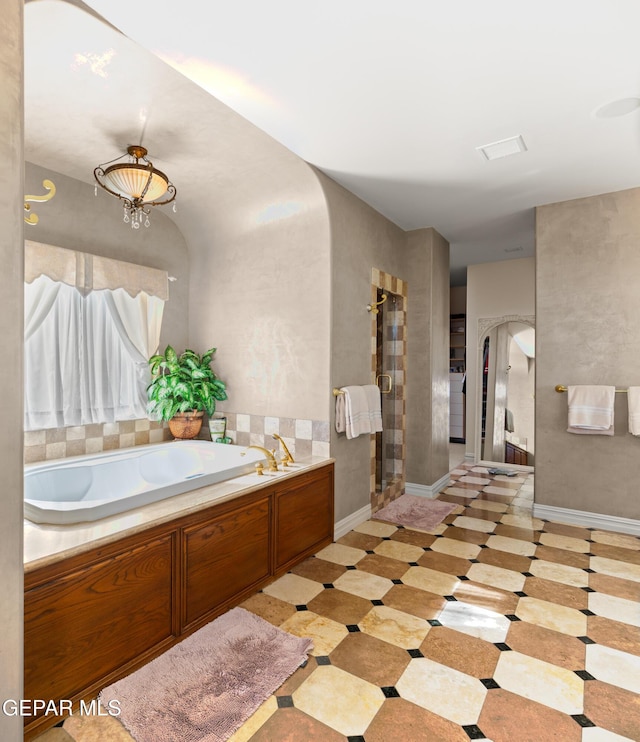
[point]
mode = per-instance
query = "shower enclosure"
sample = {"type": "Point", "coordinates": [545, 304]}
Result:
{"type": "Point", "coordinates": [388, 366]}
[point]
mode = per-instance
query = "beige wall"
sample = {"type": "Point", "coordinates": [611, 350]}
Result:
{"type": "Point", "coordinates": [458, 300]}
{"type": "Point", "coordinates": [587, 333]}
{"type": "Point", "coordinates": [502, 289]}
{"type": "Point", "coordinates": [361, 239]}
{"type": "Point", "coordinates": [260, 291]}
{"type": "Point", "coordinates": [77, 219]}
{"type": "Point", "coordinates": [427, 265]}
{"type": "Point", "coordinates": [11, 330]}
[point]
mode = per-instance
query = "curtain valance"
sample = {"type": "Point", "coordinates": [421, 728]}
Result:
{"type": "Point", "coordinates": [88, 272]}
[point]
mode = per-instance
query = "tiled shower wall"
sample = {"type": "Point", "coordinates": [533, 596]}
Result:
{"type": "Point", "coordinates": [303, 437]}
{"type": "Point", "coordinates": [395, 358]}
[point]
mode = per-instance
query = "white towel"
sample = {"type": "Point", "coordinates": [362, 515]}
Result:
{"type": "Point", "coordinates": [372, 392]}
{"type": "Point", "coordinates": [633, 394]}
{"type": "Point", "coordinates": [357, 420]}
{"type": "Point", "coordinates": [591, 409]}
{"type": "Point", "coordinates": [341, 424]}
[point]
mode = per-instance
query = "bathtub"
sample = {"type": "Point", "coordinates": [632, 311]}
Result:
{"type": "Point", "coordinates": [87, 488]}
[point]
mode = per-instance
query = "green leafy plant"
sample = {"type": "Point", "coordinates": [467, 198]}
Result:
{"type": "Point", "coordinates": [181, 383]}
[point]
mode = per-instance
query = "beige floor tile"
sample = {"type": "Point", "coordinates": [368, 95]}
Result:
{"type": "Point", "coordinates": [294, 589]}
{"type": "Point", "coordinates": [615, 568]}
{"type": "Point", "coordinates": [495, 507]}
{"type": "Point", "coordinates": [597, 734]}
{"type": "Point", "coordinates": [505, 579]}
{"type": "Point", "coordinates": [442, 690]}
{"type": "Point", "coordinates": [540, 681]}
{"type": "Point", "coordinates": [523, 521]}
{"type": "Point", "coordinates": [617, 609]}
{"type": "Point", "coordinates": [614, 667]}
{"type": "Point", "coordinates": [365, 585]}
{"type": "Point", "coordinates": [510, 480]}
{"type": "Point", "coordinates": [474, 524]}
{"type": "Point", "coordinates": [255, 721]}
{"type": "Point", "coordinates": [325, 632]}
{"type": "Point", "coordinates": [376, 528]}
{"type": "Point", "coordinates": [626, 541]}
{"type": "Point", "coordinates": [564, 542]}
{"type": "Point", "coordinates": [399, 550]}
{"type": "Point", "coordinates": [340, 700]}
{"type": "Point", "coordinates": [468, 479]}
{"type": "Point", "coordinates": [341, 554]}
{"type": "Point", "coordinates": [505, 491]}
{"type": "Point", "coordinates": [475, 621]}
{"type": "Point", "coordinates": [512, 545]}
{"type": "Point", "coordinates": [395, 627]}
{"type": "Point", "coordinates": [430, 580]}
{"type": "Point", "coordinates": [557, 617]}
{"type": "Point", "coordinates": [462, 492]}
{"type": "Point", "coordinates": [559, 573]}
{"type": "Point", "coordinates": [455, 548]}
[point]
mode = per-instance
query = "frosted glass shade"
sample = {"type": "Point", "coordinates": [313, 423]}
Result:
{"type": "Point", "coordinates": [129, 181]}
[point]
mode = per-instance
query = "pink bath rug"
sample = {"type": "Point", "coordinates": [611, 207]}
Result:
{"type": "Point", "coordinates": [413, 511]}
{"type": "Point", "coordinates": [204, 688]}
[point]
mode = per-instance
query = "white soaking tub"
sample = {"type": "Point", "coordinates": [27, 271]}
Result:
{"type": "Point", "coordinates": [86, 488]}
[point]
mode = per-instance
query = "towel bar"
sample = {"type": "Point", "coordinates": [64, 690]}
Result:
{"type": "Point", "coordinates": [562, 388]}
{"type": "Point", "coordinates": [337, 392]}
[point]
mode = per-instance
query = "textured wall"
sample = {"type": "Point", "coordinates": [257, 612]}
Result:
{"type": "Point", "coordinates": [501, 289]}
{"type": "Point", "coordinates": [427, 265]}
{"type": "Point", "coordinates": [77, 219]}
{"type": "Point", "coordinates": [588, 305]}
{"type": "Point", "coordinates": [11, 330]}
{"type": "Point", "coordinates": [361, 239]}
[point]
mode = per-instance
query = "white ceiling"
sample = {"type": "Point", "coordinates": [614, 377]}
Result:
{"type": "Point", "coordinates": [389, 99]}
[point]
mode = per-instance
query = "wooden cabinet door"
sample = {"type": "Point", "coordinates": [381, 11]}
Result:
{"type": "Point", "coordinates": [224, 557]}
{"type": "Point", "coordinates": [88, 623]}
{"type": "Point", "coordinates": [303, 517]}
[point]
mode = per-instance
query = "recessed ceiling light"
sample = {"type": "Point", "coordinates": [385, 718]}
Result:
{"type": "Point", "coordinates": [620, 107]}
{"type": "Point", "coordinates": [503, 148]}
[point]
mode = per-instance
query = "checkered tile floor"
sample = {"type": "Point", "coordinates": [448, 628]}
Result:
{"type": "Point", "coordinates": [495, 625]}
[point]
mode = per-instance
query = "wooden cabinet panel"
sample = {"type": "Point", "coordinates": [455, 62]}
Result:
{"type": "Point", "coordinates": [94, 617]}
{"type": "Point", "coordinates": [303, 517]}
{"type": "Point", "coordinates": [224, 556]}
{"type": "Point", "coordinates": [82, 626]}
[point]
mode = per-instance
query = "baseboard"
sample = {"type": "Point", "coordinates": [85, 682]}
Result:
{"type": "Point", "coordinates": [425, 490]}
{"type": "Point", "coordinates": [347, 524]}
{"type": "Point", "coordinates": [584, 518]}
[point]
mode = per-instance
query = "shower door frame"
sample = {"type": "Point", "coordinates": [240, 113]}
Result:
{"type": "Point", "coordinates": [392, 284]}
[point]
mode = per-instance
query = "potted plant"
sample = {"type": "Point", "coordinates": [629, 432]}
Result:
{"type": "Point", "coordinates": [183, 387]}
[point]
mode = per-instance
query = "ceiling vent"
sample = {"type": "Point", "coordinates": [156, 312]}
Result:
{"type": "Point", "coordinates": [503, 148]}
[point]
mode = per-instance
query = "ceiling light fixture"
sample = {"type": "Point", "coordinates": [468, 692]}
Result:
{"type": "Point", "coordinates": [137, 183]}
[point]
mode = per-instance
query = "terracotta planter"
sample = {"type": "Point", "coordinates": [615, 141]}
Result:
{"type": "Point", "coordinates": [186, 425]}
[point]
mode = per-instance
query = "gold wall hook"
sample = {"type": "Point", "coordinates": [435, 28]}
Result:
{"type": "Point", "coordinates": [33, 218]}
{"type": "Point", "coordinates": [373, 308]}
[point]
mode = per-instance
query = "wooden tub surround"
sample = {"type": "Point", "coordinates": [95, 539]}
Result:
{"type": "Point", "coordinates": [95, 616]}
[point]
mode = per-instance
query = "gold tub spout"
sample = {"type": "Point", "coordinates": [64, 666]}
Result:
{"type": "Point", "coordinates": [287, 458]}
{"type": "Point", "coordinates": [273, 464]}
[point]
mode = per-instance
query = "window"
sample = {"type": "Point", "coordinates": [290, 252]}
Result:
{"type": "Point", "coordinates": [90, 326]}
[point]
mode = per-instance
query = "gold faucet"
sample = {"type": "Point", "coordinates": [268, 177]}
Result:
{"type": "Point", "coordinates": [287, 458]}
{"type": "Point", "coordinates": [273, 464]}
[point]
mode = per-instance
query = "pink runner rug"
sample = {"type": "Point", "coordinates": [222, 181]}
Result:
{"type": "Point", "coordinates": [413, 511]}
{"type": "Point", "coordinates": [204, 688]}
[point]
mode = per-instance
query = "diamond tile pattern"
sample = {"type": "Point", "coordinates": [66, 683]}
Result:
{"type": "Point", "coordinates": [495, 625]}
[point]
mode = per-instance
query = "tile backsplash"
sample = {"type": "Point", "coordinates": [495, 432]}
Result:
{"type": "Point", "coordinates": [303, 437]}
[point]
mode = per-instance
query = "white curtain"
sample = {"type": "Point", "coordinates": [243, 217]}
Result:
{"type": "Point", "coordinates": [86, 354]}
